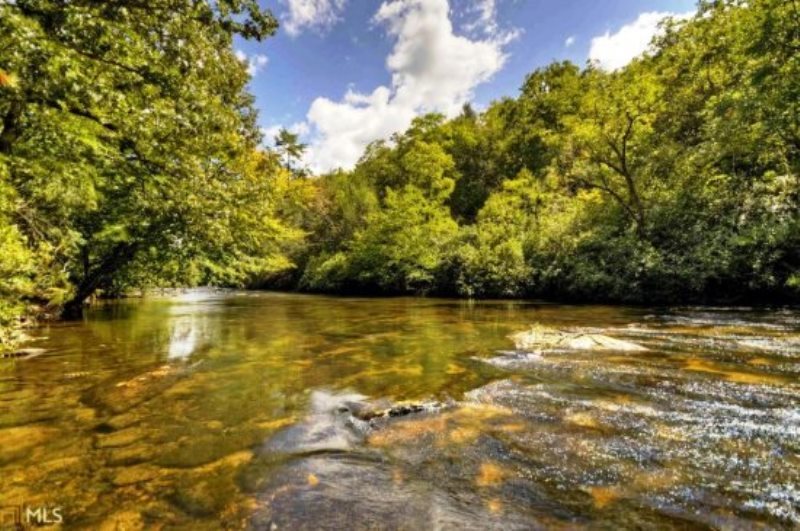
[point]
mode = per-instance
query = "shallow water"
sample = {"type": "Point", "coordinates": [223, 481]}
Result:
{"type": "Point", "coordinates": [240, 410]}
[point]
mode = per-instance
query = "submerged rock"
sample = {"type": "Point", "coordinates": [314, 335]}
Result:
{"type": "Point", "coordinates": [663, 447]}
{"type": "Point", "coordinates": [133, 475]}
{"type": "Point", "coordinates": [123, 396]}
{"type": "Point", "coordinates": [121, 438]}
{"type": "Point", "coordinates": [399, 468]}
{"type": "Point", "coordinates": [17, 441]}
{"type": "Point", "coordinates": [539, 338]}
{"type": "Point", "coordinates": [129, 520]}
{"type": "Point", "coordinates": [352, 491]}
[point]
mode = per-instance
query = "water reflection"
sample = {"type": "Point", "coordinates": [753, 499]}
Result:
{"type": "Point", "coordinates": [237, 409]}
{"type": "Point", "coordinates": [183, 339]}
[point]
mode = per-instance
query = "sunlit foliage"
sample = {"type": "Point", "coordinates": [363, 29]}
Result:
{"type": "Point", "coordinates": [673, 179]}
{"type": "Point", "coordinates": [128, 148]}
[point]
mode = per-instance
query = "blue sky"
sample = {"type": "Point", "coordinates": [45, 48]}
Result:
{"type": "Point", "coordinates": [345, 72]}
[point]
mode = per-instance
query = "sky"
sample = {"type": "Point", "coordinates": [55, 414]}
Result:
{"type": "Point", "coordinates": [343, 73]}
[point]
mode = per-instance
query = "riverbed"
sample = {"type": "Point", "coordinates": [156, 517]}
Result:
{"type": "Point", "coordinates": [208, 409]}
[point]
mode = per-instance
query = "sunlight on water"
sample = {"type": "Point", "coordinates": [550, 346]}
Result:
{"type": "Point", "coordinates": [242, 410]}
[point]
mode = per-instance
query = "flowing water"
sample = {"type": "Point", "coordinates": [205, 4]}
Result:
{"type": "Point", "coordinates": [209, 410]}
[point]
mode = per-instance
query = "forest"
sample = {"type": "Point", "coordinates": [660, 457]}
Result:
{"type": "Point", "coordinates": [130, 158]}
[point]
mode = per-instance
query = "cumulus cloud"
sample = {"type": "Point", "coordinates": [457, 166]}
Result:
{"type": "Point", "coordinates": [432, 69]}
{"type": "Point", "coordinates": [269, 133]}
{"type": "Point", "coordinates": [570, 41]}
{"type": "Point", "coordinates": [255, 63]}
{"type": "Point", "coordinates": [313, 14]}
{"type": "Point", "coordinates": [299, 128]}
{"type": "Point", "coordinates": [612, 51]}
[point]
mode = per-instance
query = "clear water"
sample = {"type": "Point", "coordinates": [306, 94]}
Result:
{"type": "Point", "coordinates": [235, 410]}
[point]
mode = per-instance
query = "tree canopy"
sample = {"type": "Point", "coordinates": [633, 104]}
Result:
{"type": "Point", "coordinates": [128, 147]}
{"type": "Point", "coordinates": [674, 178]}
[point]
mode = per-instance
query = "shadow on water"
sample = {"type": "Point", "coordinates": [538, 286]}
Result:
{"type": "Point", "coordinates": [252, 410]}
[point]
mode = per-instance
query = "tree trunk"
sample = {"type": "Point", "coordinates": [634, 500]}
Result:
{"type": "Point", "coordinates": [120, 255]}
{"type": "Point", "coordinates": [637, 207]}
{"type": "Point", "coordinates": [73, 310]}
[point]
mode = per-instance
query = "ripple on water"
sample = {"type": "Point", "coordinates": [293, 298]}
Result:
{"type": "Point", "coordinates": [701, 429]}
{"type": "Point", "coordinates": [720, 434]}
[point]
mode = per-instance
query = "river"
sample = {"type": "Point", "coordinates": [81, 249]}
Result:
{"type": "Point", "coordinates": [210, 409]}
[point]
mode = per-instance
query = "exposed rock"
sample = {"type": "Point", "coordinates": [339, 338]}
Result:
{"type": "Point", "coordinates": [330, 426]}
{"type": "Point", "coordinates": [539, 338]}
{"type": "Point", "coordinates": [397, 410]}
{"type": "Point", "coordinates": [337, 422]}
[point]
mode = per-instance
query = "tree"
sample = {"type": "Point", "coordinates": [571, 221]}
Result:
{"type": "Point", "coordinates": [493, 260]}
{"type": "Point", "coordinates": [608, 143]}
{"type": "Point", "coordinates": [471, 145]}
{"type": "Point", "coordinates": [288, 144]}
{"type": "Point", "coordinates": [403, 245]}
{"type": "Point", "coordinates": [127, 133]}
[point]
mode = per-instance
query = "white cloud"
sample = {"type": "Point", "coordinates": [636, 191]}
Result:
{"type": "Point", "coordinates": [318, 14]}
{"type": "Point", "coordinates": [269, 133]}
{"type": "Point", "coordinates": [255, 63]}
{"type": "Point", "coordinates": [485, 21]}
{"type": "Point", "coordinates": [570, 41]}
{"type": "Point", "coordinates": [299, 128]}
{"type": "Point", "coordinates": [486, 11]}
{"type": "Point", "coordinates": [432, 69]}
{"type": "Point", "coordinates": [613, 51]}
